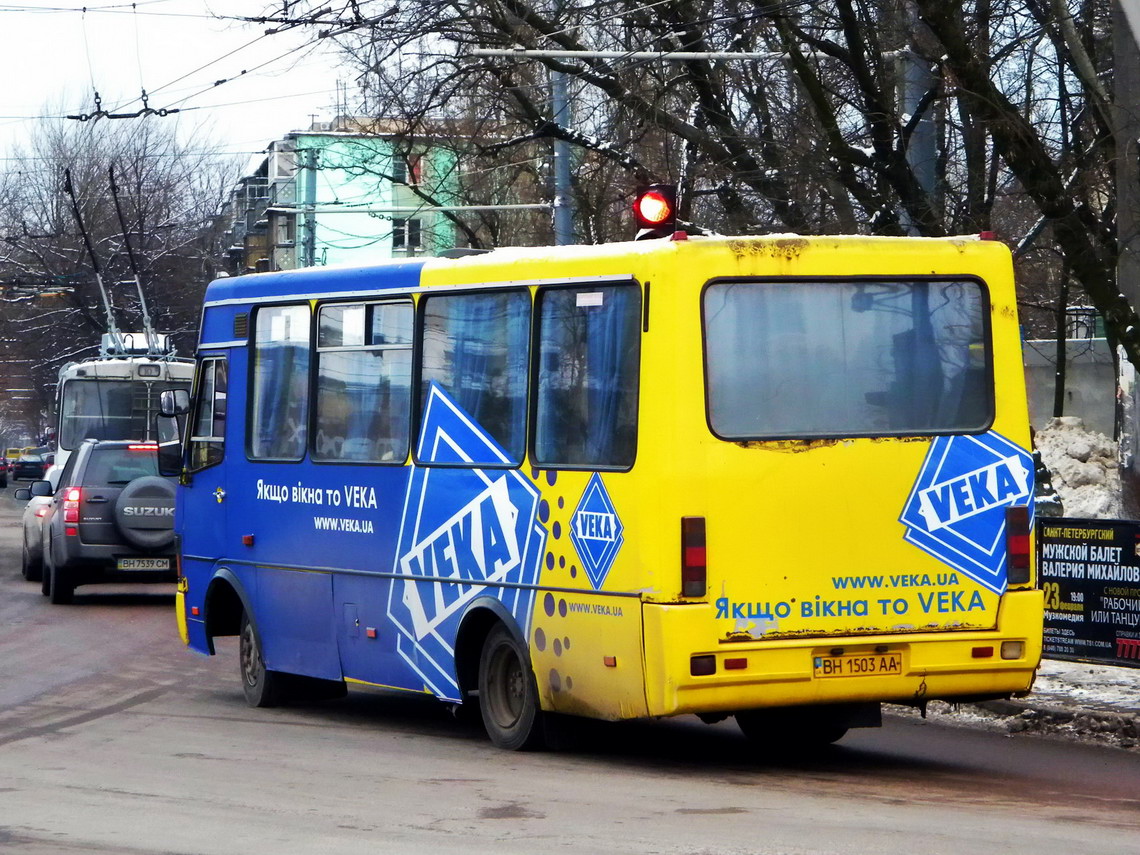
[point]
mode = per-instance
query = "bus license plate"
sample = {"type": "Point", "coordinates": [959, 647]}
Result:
{"type": "Point", "coordinates": [859, 665]}
{"type": "Point", "coordinates": [143, 564]}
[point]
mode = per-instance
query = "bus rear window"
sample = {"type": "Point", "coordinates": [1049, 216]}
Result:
{"type": "Point", "coordinates": [846, 358]}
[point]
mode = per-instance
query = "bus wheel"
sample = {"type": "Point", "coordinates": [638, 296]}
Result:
{"type": "Point", "coordinates": [784, 729]}
{"type": "Point", "coordinates": [262, 687]}
{"type": "Point", "coordinates": [508, 697]}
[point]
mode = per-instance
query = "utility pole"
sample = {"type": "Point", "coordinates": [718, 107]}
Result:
{"type": "Point", "coordinates": [917, 79]}
{"type": "Point", "coordinates": [563, 199]}
{"type": "Point", "coordinates": [308, 205]}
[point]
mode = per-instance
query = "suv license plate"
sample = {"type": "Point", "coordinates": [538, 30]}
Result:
{"type": "Point", "coordinates": [858, 665]}
{"type": "Point", "coordinates": [143, 564]}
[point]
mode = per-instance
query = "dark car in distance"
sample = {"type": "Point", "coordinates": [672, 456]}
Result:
{"type": "Point", "coordinates": [29, 467]}
{"type": "Point", "coordinates": [111, 519]}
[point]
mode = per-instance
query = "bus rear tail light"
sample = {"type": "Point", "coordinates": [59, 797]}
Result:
{"type": "Point", "coordinates": [71, 500]}
{"type": "Point", "coordinates": [1017, 544]}
{"type": "Point", "coordinates": [694, 568]}
{"type": "Point", "coordinates": [1012, 649]}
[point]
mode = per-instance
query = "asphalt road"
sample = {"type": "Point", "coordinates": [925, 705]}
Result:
{"type": "Point", "coordinates": [115, 739]}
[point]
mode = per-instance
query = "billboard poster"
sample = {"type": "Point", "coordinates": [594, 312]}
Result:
{"type": "Point", "coordinates": [1090, 573]}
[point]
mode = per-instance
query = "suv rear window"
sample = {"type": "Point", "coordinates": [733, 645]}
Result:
{"type": "Point", "coordinates": [120, 465]}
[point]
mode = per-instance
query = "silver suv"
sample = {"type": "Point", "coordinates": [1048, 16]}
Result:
{"type": "Point", "coordinates": [111, 519]}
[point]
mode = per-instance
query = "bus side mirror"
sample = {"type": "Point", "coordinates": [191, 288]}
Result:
{"type": "Point", "coordinates": [173, 402]}
{"type": "Point", "coordinates": [168, 429]}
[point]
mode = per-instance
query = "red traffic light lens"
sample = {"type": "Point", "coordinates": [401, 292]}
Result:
{"type": "Point", "coordinates": [653, 208]}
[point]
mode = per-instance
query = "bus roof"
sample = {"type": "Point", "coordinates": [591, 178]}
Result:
{"type": "Point", "coordinates": [405, 274]}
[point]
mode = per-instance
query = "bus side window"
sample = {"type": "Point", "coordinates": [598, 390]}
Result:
{"type": "Point", "coordinates": [589, 342]}
{"type": "Point", "coordinates": [476, 348]}
{"type": "Point", "coordinates": [280, 400]}
{"type": "Point", "coordinates": [208, 437]}
{"type": "Point", "coordinates": [364, 382]}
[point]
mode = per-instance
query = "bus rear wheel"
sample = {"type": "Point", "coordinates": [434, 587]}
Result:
{"type": "Point", "coordinates": [262, 687]}
{"type": "Point", "coordinates": [803, 727]}
{"type": "Point", "coordinates": [508, 696]}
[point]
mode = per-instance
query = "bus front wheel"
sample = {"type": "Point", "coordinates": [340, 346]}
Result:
{"type": "Point", "coordinates": [508, 696]}
{"type": "Point", "coordinates": [262, 687]}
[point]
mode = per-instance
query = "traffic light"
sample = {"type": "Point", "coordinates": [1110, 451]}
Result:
{"type": "Point", "coordinates": [655, 210]}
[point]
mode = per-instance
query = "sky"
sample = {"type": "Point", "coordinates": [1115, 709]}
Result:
{"type": "Point", "coordinates": [55, 56]}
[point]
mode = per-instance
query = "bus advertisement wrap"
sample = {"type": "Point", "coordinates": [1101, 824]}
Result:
{"type": "Point", "coordinates": [792, 486]}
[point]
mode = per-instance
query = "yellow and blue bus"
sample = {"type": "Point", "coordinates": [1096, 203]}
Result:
{"type": "Point", "coordinates": [785, 479]}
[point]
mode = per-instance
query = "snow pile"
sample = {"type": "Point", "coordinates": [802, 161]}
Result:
{"type": "Point", "coordinates": [1085, 468]}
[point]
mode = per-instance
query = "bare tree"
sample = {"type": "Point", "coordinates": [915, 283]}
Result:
{"type": "Point", "coordinates": [170, 191]}
{"type": "Point", "coordinates": [929, 117]}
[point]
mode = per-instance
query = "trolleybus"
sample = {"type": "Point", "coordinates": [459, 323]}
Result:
{"type": "Point", "coordinates": [785, 479]}
{"type": "Point", "coordinates": [115, 395]}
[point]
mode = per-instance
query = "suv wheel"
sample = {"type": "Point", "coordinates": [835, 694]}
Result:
{"type": "Point", "coordinates": [30, 567]}
{"type": "Point", "coordinates": [60, 587]}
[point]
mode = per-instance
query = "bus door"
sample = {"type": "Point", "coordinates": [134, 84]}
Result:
{"type": "Point", "coordinates": [201, 506]}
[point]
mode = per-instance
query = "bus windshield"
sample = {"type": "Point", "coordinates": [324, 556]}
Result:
{"type": "Point", "coordinates": [109, 409]}
{"type": "Point", "coordinates": [846, 358]}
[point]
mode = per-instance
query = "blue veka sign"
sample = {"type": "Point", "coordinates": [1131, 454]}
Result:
{"type": "Point", "coordinates": [956, 509]}
{"type": "Point", "coordinates": [466, 527]}
{"type": "Point", "coordinates": [596, 531]}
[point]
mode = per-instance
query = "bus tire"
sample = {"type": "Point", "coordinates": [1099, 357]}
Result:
{"type": "Point", "coordinates": [790, 729]}
{"type": "Point", "coordinates": [61, 589]}
{"type": "Point", "coordinates": [508, 696]}
{"type": "Point", "coordinates": [262, 687]}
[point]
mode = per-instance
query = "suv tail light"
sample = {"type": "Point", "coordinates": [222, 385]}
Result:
{"type": "Point", "coordinates": [71, 500]}
{"type": "Point", "coordinates": [694, 567]}
{"type": "Point", "coordinates": [1017, 544]}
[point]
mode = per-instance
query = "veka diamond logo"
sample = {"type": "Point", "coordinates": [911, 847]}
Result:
{"type": "Point", "coordinates": [464, 532]}
{"type": "Point", "coordinates": [596, 531]}
{"type": "Point", "coordinates": [956, 509]}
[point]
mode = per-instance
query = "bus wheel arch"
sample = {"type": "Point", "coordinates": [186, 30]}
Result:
{"type": "Point", "coordinates": [224, 605]}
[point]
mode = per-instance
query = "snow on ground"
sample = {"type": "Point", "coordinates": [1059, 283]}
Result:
{"type": "Point", "coordinates": [1085, 468]}
{"type": "Point", "coordinates": [1070, 700]}
{"type": "Point", "coordinates": [1103, 687]}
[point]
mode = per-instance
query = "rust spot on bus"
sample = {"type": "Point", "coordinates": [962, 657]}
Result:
{"type": "Point", "coordinates": [794, 446]}
{"type": "Point", "coordinates": [785, 247]}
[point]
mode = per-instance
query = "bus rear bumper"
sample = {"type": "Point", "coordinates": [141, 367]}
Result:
{"type": "Point", "coordinates": [943, 665]}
